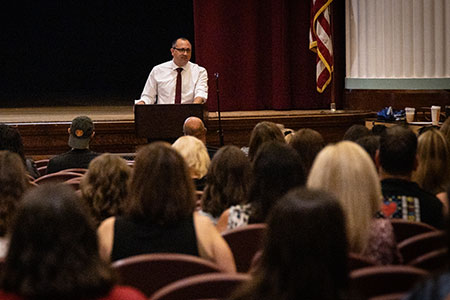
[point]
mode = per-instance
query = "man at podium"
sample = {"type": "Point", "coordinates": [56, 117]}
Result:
{"type": "Point", "coordinates": [176, 81]}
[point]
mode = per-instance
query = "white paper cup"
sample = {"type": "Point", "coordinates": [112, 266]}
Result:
{"type": "Point", "coordinates": [435, 113]}
{"type": "Point", "coordinates": [410, 111]}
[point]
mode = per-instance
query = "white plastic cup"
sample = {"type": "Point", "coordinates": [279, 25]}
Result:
{"type": "Point", "coordinates": [410, 111]}
{"type": "Point", "coordinates": [435, 113]}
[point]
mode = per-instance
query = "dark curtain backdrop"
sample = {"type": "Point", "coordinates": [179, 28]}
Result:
{"type": "Point", "coordinates": [260, 50]}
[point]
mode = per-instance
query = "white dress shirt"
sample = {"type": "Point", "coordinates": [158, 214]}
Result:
{"type": "Point", "coordinates": [161, 84]}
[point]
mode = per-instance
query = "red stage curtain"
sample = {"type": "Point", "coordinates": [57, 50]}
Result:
{"type": "Point", "coordinates": [260, 49]}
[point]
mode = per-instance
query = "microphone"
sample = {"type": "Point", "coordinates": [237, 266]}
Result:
{"type": "Point", "coordinates": [220, 132]}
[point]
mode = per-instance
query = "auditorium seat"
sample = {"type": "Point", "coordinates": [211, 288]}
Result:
{"type": "Point", "coordinates": [244, 242]}
{"type": "Point", "coordinates": [358, 261]}
{"type": "Point", "coordinates": [420, 244]}
{"type": "Point", "coordinates": [150, 272]}
{"type": "Point", "coordinates": [205, 286]}
{"type": "Point", "coordinates": [385, 280]}
{"type": "Point", "coordinates": [404, 229]}
{"type": "Point", "coordinates": [57, 177]}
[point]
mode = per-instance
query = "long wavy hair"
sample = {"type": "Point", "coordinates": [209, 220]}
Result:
{"type": "Point", "coordinates": [53, 251]}
{"type": "Point", "coordinates": [346, 170]}
{"type": "Point", "coordinates": [104, 187]}
{"type": "Point", "coordinates": [433, 171]}
{"type": "Point", "coordinates": [227, 180]}
{"type": "Point", "coordinates": [161, 190]}
{"type": "Point", "coordinates": [13, 183]}
{"type": "Point", "coordinates": [305, 252]}
{"type": "Point", "coordinates": [277, 168]}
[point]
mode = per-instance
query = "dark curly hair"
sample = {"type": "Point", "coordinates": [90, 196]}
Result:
{"type": "Point", "coordinates": [227, 181]}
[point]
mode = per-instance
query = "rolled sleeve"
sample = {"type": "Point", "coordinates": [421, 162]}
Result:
{"type": "Point", "coordinates": [201, 88]}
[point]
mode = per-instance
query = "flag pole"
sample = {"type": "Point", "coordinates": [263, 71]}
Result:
{"type": "Point", "coordinates": [333, 75]}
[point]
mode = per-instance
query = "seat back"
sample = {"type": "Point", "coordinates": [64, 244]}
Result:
{"type": "Point", "coordinates": [74, 182]}
{"type": "Point", "coordinates": [244, 242]}
{"type": "Point", "coordinates": [420, 244]}
{"type": "Point", "coordinates": [433, 261]}
{"type": "Point", "coordinates": [57, 177]}
{"type": "Point", "coordinates": [404, 229]}
{"type": "Point", "coordinates": [76, 170]}
{"type": "Point", "coordinates": [358, 261]}
{"type": "Point", "coordinates": [150, 272]}
{"type": "Point", "coordinates": [205, 286]}
{"type": "Point", "coordinates": [384, 280]}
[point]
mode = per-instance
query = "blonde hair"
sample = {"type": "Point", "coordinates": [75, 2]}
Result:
{"type": "Point", "coordinates": [194, 153]}
{"type": "Point", "coordinates": [347, 171]}
{"type": "Point", "coordinates": [433, 171]}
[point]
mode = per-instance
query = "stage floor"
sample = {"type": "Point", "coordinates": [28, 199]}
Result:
{"type": "Point", "coordinates": [126, 113]}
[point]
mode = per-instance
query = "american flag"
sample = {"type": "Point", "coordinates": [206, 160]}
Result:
{"type": "Point", "coordinates": [320, 42]}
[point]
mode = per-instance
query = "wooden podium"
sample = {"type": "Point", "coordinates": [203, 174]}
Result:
{"type": "Point", "coordinates": [165, 121]}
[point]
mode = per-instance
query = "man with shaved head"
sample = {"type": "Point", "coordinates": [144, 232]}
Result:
{"type": "Point", "coordinates": [195, 127]}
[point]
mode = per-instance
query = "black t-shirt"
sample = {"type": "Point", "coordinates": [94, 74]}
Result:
{"type": "Point", "coordinates": [406, 200]}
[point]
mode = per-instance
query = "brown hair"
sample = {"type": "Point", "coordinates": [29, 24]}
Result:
{"type": "Point", "coordinates": [227, 181]}
{"type": "Point", "coordinates": [433, 172]}
{"type": "Point", "coordinates": [261, 133]}
{"type": "Point", "coordinates": [105, 186]}
{"type": "Point", "coordinates": [308, 143]}
{"type": "Point", "coordinates": [161, 190]}
{"type": "Point", "coordinates": [13, 183]}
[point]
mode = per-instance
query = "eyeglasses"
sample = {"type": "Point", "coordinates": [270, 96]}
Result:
{"type": "Point", "coordinates": [187, 50]}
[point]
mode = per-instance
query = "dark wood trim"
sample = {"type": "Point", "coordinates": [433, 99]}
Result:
{"type": "Point", "coordinates": [376, 100]}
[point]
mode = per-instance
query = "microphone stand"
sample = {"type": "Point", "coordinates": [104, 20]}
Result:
{"type": "Point", "coordinates": [220, 132]}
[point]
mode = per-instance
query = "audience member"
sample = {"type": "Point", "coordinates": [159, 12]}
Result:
{"type": "Point", "coordinates": [80, 134]}
{"type": "Point", "coordinates": [308, 143]}
{"type": "Point", "coordinates": [227, 182]}
{"type": "Point", "coordinates": [433, 171]}
{"type": "Point", "coordinates": [346, 170]}
{"type": "Point", "coordinates": [355, 132]}
{"type": "Point", "coordinates": [196, 156]}
{"type": "Point", "coordinates": [194, 126]}
{"type": "Point", "coordinates": [13, 183]}
{"type": "Point", "coordinates": [277, 168]}
{"type": "Point", "coordinates": [445, 130]}
{"type": "Point", "coordinates": [160, 213]}
{"type": "Point", "coordinates": [54, 252]}
{"type": "Point", "coordinates": [11, 140]}
{"type": "Point", "coordinates": [104, 187]}
{"type": "Point", "coordinates": [438, 286]}
{"type": "Point", "coordinates": [305, 252]}
{"type": "Point", "coordinates": [370, 143]}
{"type": "Point", "coordinates": [403, 198]}
{"type": "Point", "coordinates": [261, 133]}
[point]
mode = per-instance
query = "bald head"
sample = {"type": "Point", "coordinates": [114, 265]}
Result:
{"type": "Point", "coordinates": [194, 126]}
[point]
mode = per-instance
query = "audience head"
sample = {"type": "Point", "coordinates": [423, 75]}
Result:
{"type": "Point", "coordinates": [433, 171]}
{"type": "Point", "coordinates": [355, 132]}
{"type": "Point", "coordinates": [370, 143]}
{"type": "Point", "coordinates": [53, 250]}
{"type": "Point", "coordinates": [347, 171]}
{"type": "Point", "coordinates": [13, 183]}
{"type": "Point", "coordinates": [308, 143]}
{"type": "Point", "coordinates": [104, 187]}
{"type": "Point", "coordinates": [195, 154]}
{"type": "Point", "coordinates": [261, 133]}
{"type": "Point", "coordinates": [81, 132]}
{"type": "Point", "coordinates": [194, 126]}
{"type": "Point", "coordinates": [397, 154]}
{"type": "Point", "coordinates": [227, 181]}
{"type": "Point", "coordinates": [161, 190]}
{"type": "Point", "coordinates": [445, 130]}
{"type": "Point", "coordinates": [378, 129]}
{"type": "Point", "coordinates": [305, 252]}
{"type": "Point", "coordinates": [277, 168]}
{"type": "Point", "coordinates": [11, 140]}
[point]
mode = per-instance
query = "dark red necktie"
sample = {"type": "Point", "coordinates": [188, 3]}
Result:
{"type": "Point", "coordinates": [178, 88]}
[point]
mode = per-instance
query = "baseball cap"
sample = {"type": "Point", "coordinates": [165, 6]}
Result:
{"type": "Point", "coordinates": [80, 132]}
